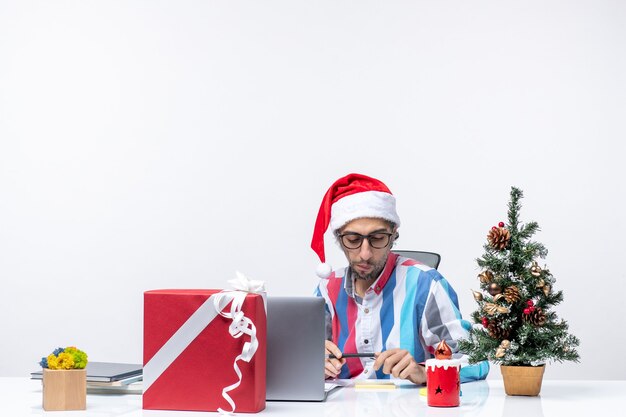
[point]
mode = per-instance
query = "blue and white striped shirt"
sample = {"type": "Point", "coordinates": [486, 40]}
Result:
{"type": "Point", "coordinates": [410, 306]}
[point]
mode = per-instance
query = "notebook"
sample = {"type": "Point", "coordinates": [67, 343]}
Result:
{"type": "Point", "coordinates": [295, 349]}
{"type": "Point", "coordinates": [106, 372]}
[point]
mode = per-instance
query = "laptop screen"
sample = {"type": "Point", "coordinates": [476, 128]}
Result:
{"type": "Point", "coordinates": [295, 348]}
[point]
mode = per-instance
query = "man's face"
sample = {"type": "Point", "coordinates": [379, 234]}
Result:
{"type": "Point", "coordinates": [366, 261]}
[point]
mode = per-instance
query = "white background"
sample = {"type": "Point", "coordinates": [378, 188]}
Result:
{"type": "Point", "coordinates": [167, 144]}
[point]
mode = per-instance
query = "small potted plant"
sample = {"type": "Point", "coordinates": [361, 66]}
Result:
{"type": "Point", "coordinates": [64, 379]}
{"type": "Point", "coordinates": [515, 326]}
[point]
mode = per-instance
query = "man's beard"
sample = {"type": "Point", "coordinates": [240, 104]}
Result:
{"type": "Point", "coordinates": [378, 268]}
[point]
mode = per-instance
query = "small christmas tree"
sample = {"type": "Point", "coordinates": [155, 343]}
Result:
{"type": "Point", "coordinates": [515, 324]}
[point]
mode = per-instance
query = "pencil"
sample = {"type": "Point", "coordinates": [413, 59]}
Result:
{"type": "Point", "coordinates": [352, 355]}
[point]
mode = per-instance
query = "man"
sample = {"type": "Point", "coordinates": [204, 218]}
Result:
{"type": "Point", "coordinates": [391, 307]}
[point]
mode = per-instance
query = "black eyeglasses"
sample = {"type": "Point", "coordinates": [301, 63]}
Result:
{"type": "Point", "coordinates": [377, 240]}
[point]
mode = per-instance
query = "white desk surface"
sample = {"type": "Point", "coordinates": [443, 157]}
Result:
{"type": "Point", "coordinates": [22, 397]}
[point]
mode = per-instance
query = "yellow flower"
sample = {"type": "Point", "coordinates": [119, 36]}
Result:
{"type": "Point", "coordinates": [65, 358]}
{"type": "Point", "coordinates": [63, 361]}
{"type": "Point", "coordinates": [66, 361]}
{"type": "Point", "coordinates": [52, 361]}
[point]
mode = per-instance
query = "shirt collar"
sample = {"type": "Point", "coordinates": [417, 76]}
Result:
{"type": "Point", "coordinates": [380, 282]}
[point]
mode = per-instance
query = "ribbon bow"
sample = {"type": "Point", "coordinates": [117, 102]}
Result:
{"type": "Point", "coordinates": [240, 325]}
{"type": "Point", "coordinates": [242, 283]}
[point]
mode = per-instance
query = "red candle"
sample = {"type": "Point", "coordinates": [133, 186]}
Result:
{"type": "Point", "coordinates": [442, 378]}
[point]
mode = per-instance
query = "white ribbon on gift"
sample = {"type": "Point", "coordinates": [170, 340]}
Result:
{"type": "Point", "coordinates": [198, 321]}
{"type": "Point", "coordinates": [239, 326]}
{"type": "Point", "coordinates": [242, 283]}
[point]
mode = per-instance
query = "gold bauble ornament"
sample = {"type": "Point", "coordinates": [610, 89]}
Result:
{"type": "Point", "coordinates": [494, 288]}
{"type": "Point", "coordinates": [500, 352]}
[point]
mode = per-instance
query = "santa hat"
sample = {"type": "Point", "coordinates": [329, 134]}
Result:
{"type": "Point", "coordinates": [354, 196]}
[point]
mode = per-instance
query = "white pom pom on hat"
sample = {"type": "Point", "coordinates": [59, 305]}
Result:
{"type": "Point", "coordinates": [323, 270]}
{"type": "Point", "coordinates": [351, 197]}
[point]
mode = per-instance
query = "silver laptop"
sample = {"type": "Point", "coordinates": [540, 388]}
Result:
{"type": "Point", "coordinates": [295, 349]}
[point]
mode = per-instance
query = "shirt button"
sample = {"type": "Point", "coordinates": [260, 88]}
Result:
{"type": "Point", "coordinates": [367, 310]}
{"type": "Point", "coordinates": [377, 288]}
{"type": "Point", "coordinates": [366, 341]}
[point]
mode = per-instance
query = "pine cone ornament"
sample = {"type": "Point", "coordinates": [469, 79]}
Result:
{"type": "Point", "coordinates": [536, 317]}
{"type": "Point", "coordinates": [499, 237]}
{"type": "Point", "coordinates": [511, 294]}
{"type": "Point", "coordinates": [496, 330]}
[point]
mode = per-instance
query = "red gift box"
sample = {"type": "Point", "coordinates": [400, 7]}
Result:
{"type": "Point", "coordinates": [189, 353]}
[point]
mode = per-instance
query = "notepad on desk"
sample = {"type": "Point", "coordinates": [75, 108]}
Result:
{"type": "Point", "coordinates": [115, 388]}
{"type": "Point", "coordinates": [374, 384]}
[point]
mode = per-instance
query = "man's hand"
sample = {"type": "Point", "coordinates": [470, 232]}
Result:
{"type": "Point", "coordinates": [400, 364]}
{"type": "Point", "coordinates": [332, 367]}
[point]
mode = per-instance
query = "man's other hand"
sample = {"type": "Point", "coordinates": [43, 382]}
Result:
{"type": "Point", "coordinates": [400, 364]}
{"type": "Point", "coordinates": [332, 367]}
